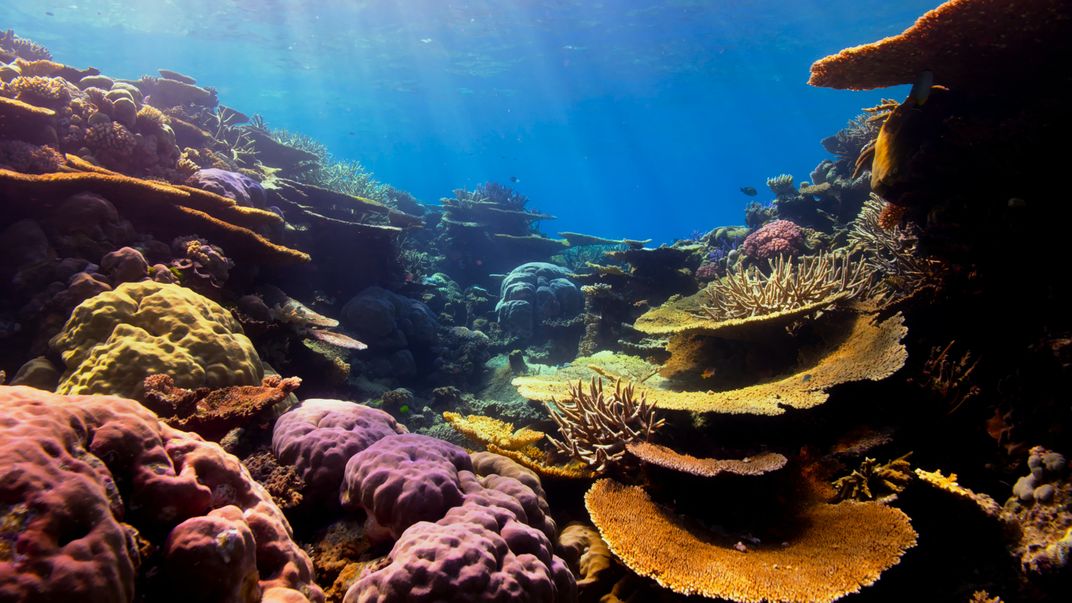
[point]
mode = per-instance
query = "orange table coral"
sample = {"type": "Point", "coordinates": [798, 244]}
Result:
{"type": "Point", "coordinates": [843, 548]}
{"type": "Point", "coordinates": [996, 35]}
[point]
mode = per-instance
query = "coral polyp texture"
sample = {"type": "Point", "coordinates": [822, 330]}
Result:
{"type": "Point", "coordinates": [962, 41]}
{"type": "Point", "coordinates": [780, 237]}
{"type": "Point", "coordinates": [91, 482]}
{"type": "Point", "coordinates": [114, 340]}
{"type": "Point", "coordinates": [842, 549]}
{"type": "Point", "coordinates": [490, 547]}
{"type": "Point", "coordinates": [788, 286]}
{"type": "Point", "coordinates": [596, 426]}
{"type": "Point", "coordinates": [667, 458]}
{"type": "Point", "coordinates": [870, 351]}
{"type": "Point", "coordinates": [319, 436]}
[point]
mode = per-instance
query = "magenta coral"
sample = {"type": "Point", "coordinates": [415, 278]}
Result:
{"type": "Point", "coordinates": [84, 479]}
{"type": "Point", "coordinates": [319, 436]}
{"type": "Point", "coordinates": [780, 237]}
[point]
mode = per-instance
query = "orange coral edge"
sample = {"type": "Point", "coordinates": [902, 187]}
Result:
{"type": "Point", "coordinates": [220, 214]}
{"type": "Point", "coordinates": [668, 458]}
{"type": "Point", "coordinates": [997, 34]}
{"type": "Point", "coordinates": [17, 108]}
{"type": "Point", "coordinates": [841, 549]}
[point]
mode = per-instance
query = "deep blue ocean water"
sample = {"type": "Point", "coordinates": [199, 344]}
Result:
{"type": "Point", "coordinates": [634, 118]}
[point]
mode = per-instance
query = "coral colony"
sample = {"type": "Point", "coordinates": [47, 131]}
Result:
{"type": "Point", "coordinates": [236, 369]}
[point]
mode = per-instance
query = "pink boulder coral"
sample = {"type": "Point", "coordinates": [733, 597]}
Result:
{"type": "Point", "coordinates": [780, 237]}
{"type": "Point", "coordinates": [89, 482]}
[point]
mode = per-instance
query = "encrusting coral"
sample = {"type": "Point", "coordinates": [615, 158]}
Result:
{"type": "Point", "coordinates": [843, 548]}
{"type": "Point", "coordinates": [597, 426]}
{"type": "Point", "coordinates": [212, 413]}
{"type": "Point", "coordinates": [116, 339]}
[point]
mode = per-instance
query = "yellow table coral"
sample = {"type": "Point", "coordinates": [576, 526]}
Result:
{"type": "Point", "coordinates": [114, 340]}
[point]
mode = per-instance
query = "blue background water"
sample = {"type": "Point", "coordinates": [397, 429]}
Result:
{"type": "Point", "coordinates": [638, 119]}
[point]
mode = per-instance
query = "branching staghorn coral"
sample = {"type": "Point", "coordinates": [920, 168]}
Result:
{"type": "Point", "coordinates": [791, 284]}
{"type": "Point", "coordinates": [891, 254]}
{"type": "Point", "coordinates": [781, 184]}
{"type": "Point", "coordinates": [596, 426]}
{"type": "Point", "coordinates": [873, 480]}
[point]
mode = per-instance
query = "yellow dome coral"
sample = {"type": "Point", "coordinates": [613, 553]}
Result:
{"type": "Point", "coordinates": [843, 548]}
{"type": "Point", "coordinates": [114, 340]}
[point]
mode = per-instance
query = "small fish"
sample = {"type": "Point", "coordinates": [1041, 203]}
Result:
{"type": "Point", "coordinates": [426, 40]}
{"type": "Point", "coordinates": [515, 179]}
{"type": "Point", "coordinates": [1017, 203]}
{"type": "Point", "coordinates": [50, 13]}
{"type": "Point", "coordinates": [749, 190]}
{"type": "Point", "coordinates": [708, 373]}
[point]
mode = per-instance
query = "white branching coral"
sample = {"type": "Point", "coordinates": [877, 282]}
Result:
{"type": "Point", "coordinates": [791, 284]}
{"type": "Point", "coordinates": [891, 254]}
{"type": "Point", "coordinates": [596, 425]}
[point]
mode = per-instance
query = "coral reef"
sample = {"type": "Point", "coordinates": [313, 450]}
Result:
{"type": "Point", "coordinates": [773, 239]}
{"type": "Point", "coordinates": [874, 478]}
{"type": "Point", "coordinates": [534, 293]}
{"type": "Point", "coordinates": [908, 296]}
{"type": "Point", "coordinates": [939, 39]}
{"type": "Point", "coordinates": [790, 285]}
{"type": "Point", "coordinates": [664, 457]}
{"type": "Point", "coordinates": [1041, 510]}
{"type": "Point", "coordinates": [843, 548]}
{"type": "Point", "coordinates": [319, 437]}
{"type": "Point", "coordinates": [114, 340]}
{"type": "Point", "coordinates": [597, 427]}
{"type": "Point", "coordinates": [103, 471]}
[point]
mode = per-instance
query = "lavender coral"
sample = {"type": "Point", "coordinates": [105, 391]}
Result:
{"type": "Point", "coordinates": [319, 436]}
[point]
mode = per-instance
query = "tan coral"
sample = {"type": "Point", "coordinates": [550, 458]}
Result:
{"type": "Point", "coordinates": [872, 479]}
{"type": "Point", "coordinates": [587, 555]}
{"type": "Point", "coordinates": [487, 430]}
{"type": "Point", "coordinates": [789, 285]}
{"type": "Point", "coordinates": [949, 483]}
{"type": "Point", "coordinates": [162, 206]}
{"type": "Point", "coordinates": [596, 427]}
{"type": "Point", "coordinates": [870, 351]}
{"type": "Point", "coordinates": [841, 549]}
{"type": "Point", "coordinates": [668, 458]}
{"type": "Point", "coordinates": [540, 462]}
